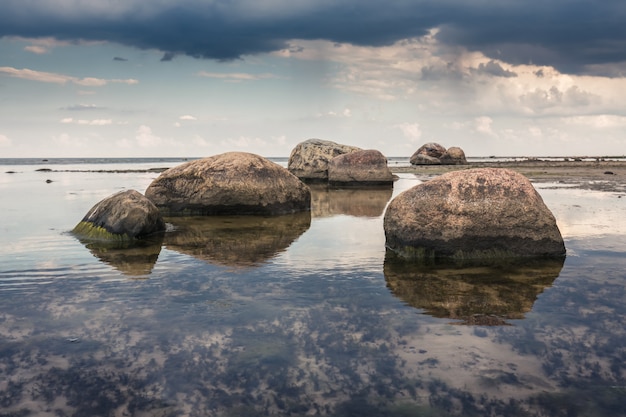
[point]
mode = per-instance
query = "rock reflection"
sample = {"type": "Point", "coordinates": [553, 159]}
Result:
{"type": "Point", "coordinates": [235, 240]}
{"type": "Point", "coordinates": [134, 259]}
{"type": "Point", "coordinates": [327, 201]}
{"type": "Point", "coordinates": [480, 295]}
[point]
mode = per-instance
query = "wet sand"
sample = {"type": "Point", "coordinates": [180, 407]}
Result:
{"type": "Point", "coordinates": [600, 175]}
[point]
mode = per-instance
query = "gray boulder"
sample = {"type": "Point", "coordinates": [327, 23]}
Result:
{"type": "Point", "coordinates": [435, 154]}
{"type": "Point", "coordinates": [366, 167]}
{"type": "Point", "coordinates": [428, 154]}
{"type": "Point", "coordinates": [232, 183]}
{"type": "Point", "coordinates": [453, 156]}
{"type": "Point", "coordinates": [126, 215]}
{"type": "Point", "coordinates": [472, 214]}
{"type": "Point", "coordinates": [309, 159]}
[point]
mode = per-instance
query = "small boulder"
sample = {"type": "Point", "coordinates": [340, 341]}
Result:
{"type": "Point", "coordinates": [453, 156]}
{"type": "Point", "coordinates": [485, 213]}
{"type": "Point", "coordinates": [309, 159]}
{"type": "Point", "coordinates": [428, 154]}
{"type": "Point", "coordinates": [232, 183]}
{"type": "Point", "coordinates": [366, 167]}
{"type": "Point", "coordinates": [124, 216]}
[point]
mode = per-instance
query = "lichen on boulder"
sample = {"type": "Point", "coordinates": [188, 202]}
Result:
{"type": "Point", "coordinates": [124, 216]}
{"type": "Point", "coordinates": [485, 213]}
{"type": "Point", "coordinates": [232, 183]}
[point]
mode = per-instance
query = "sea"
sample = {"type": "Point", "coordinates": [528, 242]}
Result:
{"type": "Point", "coordinates": [297, 315]}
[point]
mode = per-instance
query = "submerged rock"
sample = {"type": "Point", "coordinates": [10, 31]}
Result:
{"type": "Point", "coordinates": [232, 183]}
{"type": "Point", "coordinates": [365, 167]}
{"type": "Point", "coordinates": [125, 215]}
{"type": "Point", "coordinates": [309, 159]}
{"type": "Point", "coordinates": [482, 213]}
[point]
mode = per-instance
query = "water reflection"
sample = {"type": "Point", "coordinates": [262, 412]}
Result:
{"type": "Point", "coordinates": [133, 259]}
{"type": "Point", "coordinates": [235, 240]}
{"type": "Point", "coordinates": [481, 295]}
{"type": "Point", "coordinates": [327, 201]}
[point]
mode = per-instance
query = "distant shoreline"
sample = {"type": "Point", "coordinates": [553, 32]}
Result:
{"type": "Point", "coordinates": [601, 175]}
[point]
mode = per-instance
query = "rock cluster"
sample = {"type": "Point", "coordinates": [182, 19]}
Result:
{"type": "Point", "coordinates": [435, 154]}
{"type": "Point", "coordinates": [472, 214]}
{"type": "Point", "coordinates": [317, 160]}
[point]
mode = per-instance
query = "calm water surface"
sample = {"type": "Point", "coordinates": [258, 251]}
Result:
{"type": "Point", "coordinates": [298, 315]}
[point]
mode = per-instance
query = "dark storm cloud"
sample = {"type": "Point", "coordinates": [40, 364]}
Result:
{"type": "Point", "coordinates": [572, 35]}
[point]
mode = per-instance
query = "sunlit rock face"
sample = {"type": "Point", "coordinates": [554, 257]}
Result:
{"type": "Point", "coordinates": [486, 213]}
{"type": "Point", "coordinates": [233, 183]}
{"type": "Point", "coordinates": [360, 168]}
{"type": "Point", "coordinates": [481, 295]}
{"type": "Point", "coordinates": [235, 240]}
{"type": "Point", "coordinates": [126, 215]}
{"type": "Point", "coordinates": [309, 159]}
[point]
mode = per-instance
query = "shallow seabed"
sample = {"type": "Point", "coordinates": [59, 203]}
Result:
{"type": "Point", "coordinates": [300, 315]}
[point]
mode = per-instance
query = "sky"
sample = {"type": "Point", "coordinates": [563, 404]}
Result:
{"type": "Point", "coordinates": [194, 78]}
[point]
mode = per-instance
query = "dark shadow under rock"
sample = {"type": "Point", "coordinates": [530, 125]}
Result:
{"type": "Point", "coordinates": [235, 240]}
{"type": "Point", "coordinates": [487, 294]}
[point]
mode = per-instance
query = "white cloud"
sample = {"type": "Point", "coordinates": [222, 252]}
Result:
{"type": "Point", "coordinates": [145, 138]}
{"type": "Point", "coordinates": [483, 125]}
{"type": "Point", "coordinates": [4, 141]}
{"type": "Point", "coordinates": [410, 131]}
{"type": "Point", "coordinates": [187, 117]}
{"type": "Point", "coordinates": [244, 142]}
{"type": "Point", "coordinates": [235, 76]}
{"type": "Point", "coordinates": [601, 121]}
{"type": "Point", "coordinates": [50, 77]}
{"type": "Point", "coordinates": [94, 122]}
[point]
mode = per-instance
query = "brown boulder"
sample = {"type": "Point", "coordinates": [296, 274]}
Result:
{"type": "Point", "coordinates": [309, 159]}
{"type": "Point", "coordinates": [232, 183]}
{"type": "Point", "coordinates": [472, 214]}
{"type": "Point", "coordinates": [453, 156]}
{"type": "Point", "coordinates": [428, 154]}
{"type": "Point", "coordinates": [366, 167]}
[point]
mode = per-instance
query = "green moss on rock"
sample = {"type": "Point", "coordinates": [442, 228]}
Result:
{"type": "Point", "coordinates": [91, 231]}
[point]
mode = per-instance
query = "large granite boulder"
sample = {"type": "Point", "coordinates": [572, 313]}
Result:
{"type": "Point", "coordinates": [453, 156]}
{"type": "Point", "coordinates": [124, 216]}
{"type": "Point", "coordinates": [232, 183]}
{"type": "Point", "coordinates": [482, 213]}
{"type": "Point", "coordinates": [428, 154]}
{"type": "Point", "coordinates": [366, 167]}
{"type": "Point", "coordinates": [309, 159]}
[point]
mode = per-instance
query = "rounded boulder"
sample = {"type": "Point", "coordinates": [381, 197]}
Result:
{"type": "Point", "coordinates": [309, 159]}
{"type": "Point", "coordinates": [366, 167]}
{"type": "Point", "coordinates": [453, 156]}
{"type": "Point", "coordinates": [123, 216]}
{"type": "Point", "coordinates": [481, 213]}
{"type": "Point", "coordinates": [428, 154]}
{"type": "Point", "coordinates": [233, 183]}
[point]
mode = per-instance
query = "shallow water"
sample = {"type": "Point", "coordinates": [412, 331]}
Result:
{"type": "Point", "coordinates": [301, 315]}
